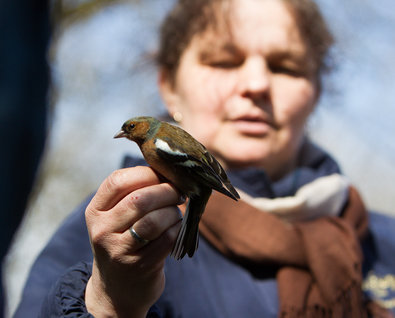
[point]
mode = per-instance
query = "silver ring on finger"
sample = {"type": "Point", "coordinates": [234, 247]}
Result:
{"type": "Point", "coordinates": [137, 237]}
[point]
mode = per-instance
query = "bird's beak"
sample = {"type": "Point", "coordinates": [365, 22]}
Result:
{"type": "Point", "coordinates": [120, 134]}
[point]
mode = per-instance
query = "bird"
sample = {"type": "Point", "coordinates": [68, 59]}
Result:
{"type": "Point", "coordinates": [187, 164]}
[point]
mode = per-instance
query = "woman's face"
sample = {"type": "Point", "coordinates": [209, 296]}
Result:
{"type": "Point", "coordinates": [245, 90]}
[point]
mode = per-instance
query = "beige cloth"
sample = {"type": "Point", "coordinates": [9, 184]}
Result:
{"type": "Point", "coordinates": [325, 196]}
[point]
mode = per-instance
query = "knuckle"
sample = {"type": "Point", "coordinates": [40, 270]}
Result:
{"type": "Point", "coordinates": [139, 200]}
{"type": "Point", "coordinates": [106, 246]}
{"type": "Point", "coordinates": [98, 235]}
{"type": "Point", "coordinates": [114, 181]}
{"type": "Point", "coordinates": [115, 255]}
{"type": "Point", "coordinates": [148, 224]}
{"type": "Point", "coordinates": [155, 197]}
{"type": "Point", "coordinates": [90, 212]}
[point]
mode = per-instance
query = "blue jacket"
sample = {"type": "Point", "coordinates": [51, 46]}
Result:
{"type": "Point", "coordinates": [217, 286]}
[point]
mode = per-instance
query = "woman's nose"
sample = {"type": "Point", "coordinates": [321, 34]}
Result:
{"type": "Point", "coordinates": [255, 78]}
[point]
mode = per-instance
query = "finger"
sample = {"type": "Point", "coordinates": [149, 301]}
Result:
{"type": "Point", "coordinates": [140, 202]}
{"type": "Point", "coordinates": [154, 224]}
{"type": "Point", "coordinates": [153, 255]}
{"type": "Point", "coordinates": [124, 248]}
{"type": "Point", "coordinates": [120, 183]}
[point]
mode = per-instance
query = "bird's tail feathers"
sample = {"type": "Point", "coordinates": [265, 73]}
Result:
{"type": "Point", "coordinates": [188, 238]}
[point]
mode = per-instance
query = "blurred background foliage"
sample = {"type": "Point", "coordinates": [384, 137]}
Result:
{"type": "Point", "coordinates": [103, 72]}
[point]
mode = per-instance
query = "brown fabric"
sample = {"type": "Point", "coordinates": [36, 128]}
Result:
{"type": "Point", "coordinates": [319, 262]}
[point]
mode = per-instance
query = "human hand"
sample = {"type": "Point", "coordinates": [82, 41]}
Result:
{"type": "Point", "coordinates": [127, 275]}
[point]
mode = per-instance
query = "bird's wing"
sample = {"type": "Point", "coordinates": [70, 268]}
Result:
{"type": "Point", "coordinates": [168, 150]}
{"type": "Point", "coordinates": [198, 162]}
{"type": "Point", "coordinates": [215, 166]}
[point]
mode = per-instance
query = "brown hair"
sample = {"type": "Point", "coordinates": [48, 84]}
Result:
{"type": "Point", "coordinates": [191, 17]}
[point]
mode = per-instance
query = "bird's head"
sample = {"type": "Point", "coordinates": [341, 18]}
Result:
{"type": "Point", "coordinates": [138, 128]}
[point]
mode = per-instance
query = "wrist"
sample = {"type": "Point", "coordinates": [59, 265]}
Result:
{"type": "Point", "coordinates": [100, 305]}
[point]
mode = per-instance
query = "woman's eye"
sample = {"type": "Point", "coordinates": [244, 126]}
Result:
{"type": "Point", "coordinates": [282, 69]}
{"type": "Point", "coordinates": [226, 64]}
{"type": "Point", "coordinates": [224, 56]}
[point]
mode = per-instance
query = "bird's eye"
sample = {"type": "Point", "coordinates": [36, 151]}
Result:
{"type": "Point", "coordinates": [131, 126]}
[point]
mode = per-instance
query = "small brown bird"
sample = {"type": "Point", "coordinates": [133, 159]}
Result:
{"type": "Point", "coordinates": [187, 164]}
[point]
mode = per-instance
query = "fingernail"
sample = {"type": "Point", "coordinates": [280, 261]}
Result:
{"type": "Point", "coordinates": [180, 214]}
{"type": "Point", "coordinates": [182, 199]}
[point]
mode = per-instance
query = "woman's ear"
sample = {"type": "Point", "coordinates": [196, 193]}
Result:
{"type": "Point", "coordinates": [167, 90]}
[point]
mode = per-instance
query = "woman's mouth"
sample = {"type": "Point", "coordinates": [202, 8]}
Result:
{"type": "Point", "coordinates": [252, 126]}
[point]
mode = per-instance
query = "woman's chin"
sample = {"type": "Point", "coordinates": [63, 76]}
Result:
{"type": "Point", "coordinates": [244, 158]}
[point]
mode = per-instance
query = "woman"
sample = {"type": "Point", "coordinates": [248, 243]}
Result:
{"type": "Point", "coordinates": [243, 77]}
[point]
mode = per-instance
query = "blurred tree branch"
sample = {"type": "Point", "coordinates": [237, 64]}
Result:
{"type": "Point", "coordinates": [68, 12]}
